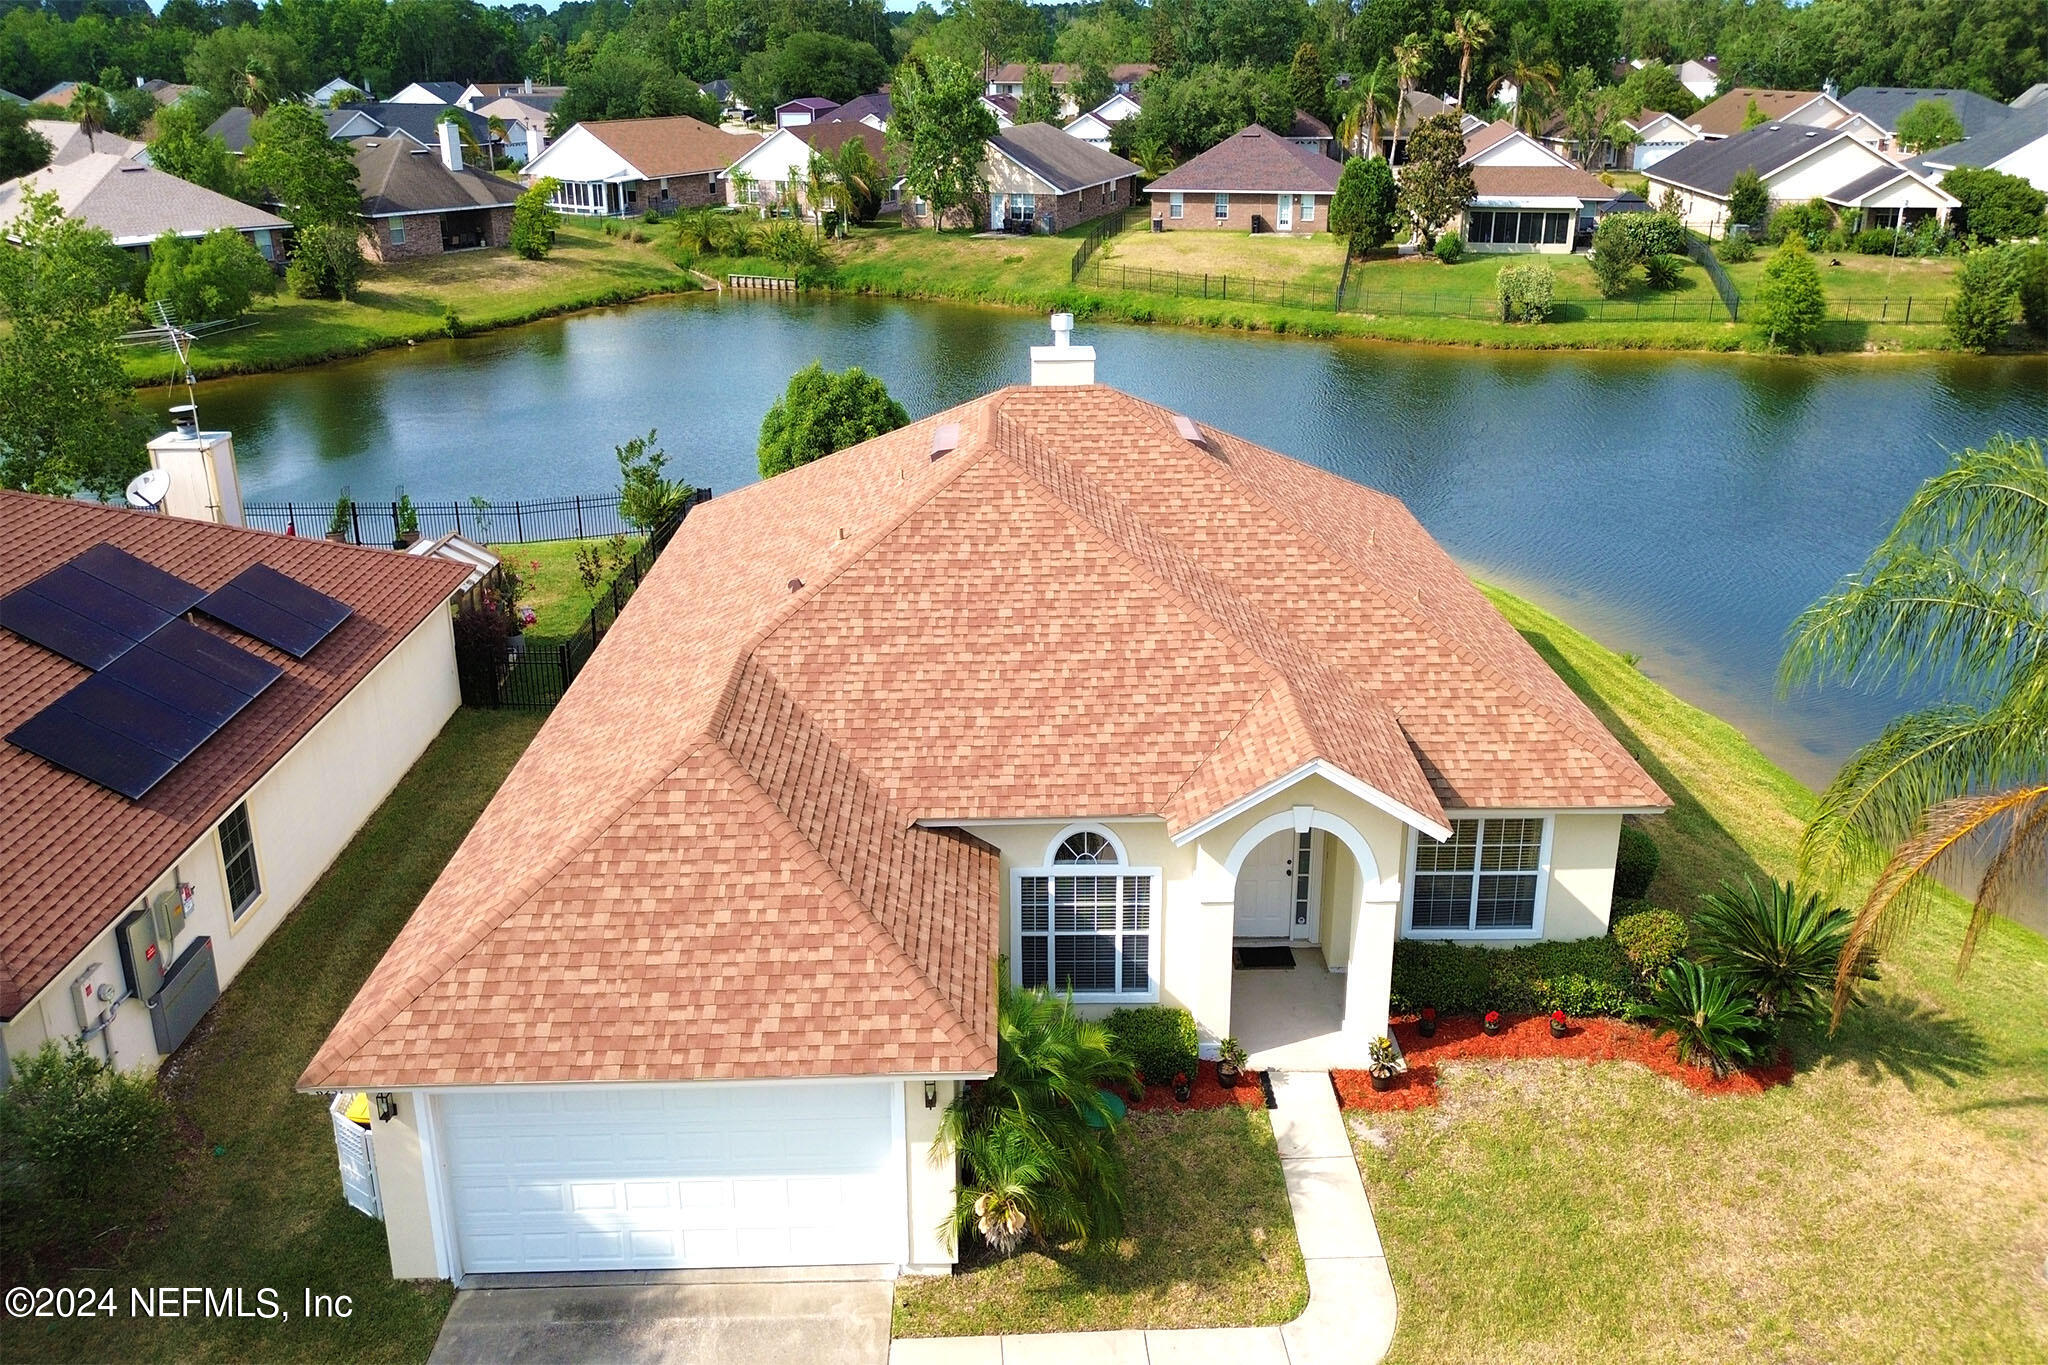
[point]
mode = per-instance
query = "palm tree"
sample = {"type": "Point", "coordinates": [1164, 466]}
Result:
{"type": "Point", "coordinates": [819, 183]}
{"type": "Point", "coordinates": [1957, 597]}
{"type": "Point", "coordinates": [1534, 73]}
{"type": "Point", "coordinates": [259, 84]}
{"type": "Point", "coordinates": [1411, 58]}
{"type": "Point", "coordinates": [1375, 92]}
{"type": "Point", "coordinates": [91, 110]}
{"type": "Point", "coordinates": [1470, 31]}
{"type": "Point", "coordinates": [860, 175]}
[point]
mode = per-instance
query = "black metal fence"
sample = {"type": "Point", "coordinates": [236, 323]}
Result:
{"type": "Point", "coordinates": [1702, 253]}
{"type": "Point", "coordinates": [1201, 285]}
{"type": "Point", "coordinates": [490, 523]}
{"type": "Point", "coordinates": [1670, 306]}
{"type": "Point", "coordinates": [1107, 226]}
{"type": "Point", "coordinates": [500, 668]}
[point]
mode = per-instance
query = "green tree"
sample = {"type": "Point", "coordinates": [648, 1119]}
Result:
{"type": "Point", "coordinates": [647, 496]}
{"type": "Point", "coordinates": [1790, 303]}
{"type": "Point", "coordinates": [90, 110]}
{"type": "Point", "coordinates": [1091, 84]}
{"type": "Point", "coordinates": [534, 219]}
{"type": "Point", "coordinates": [22, 148]}
{"type": "Point", "coordinates": [1950, 602]}
{"type": "Point", "coordinates": [824, 65]}
{"type": "Point", "coordinates": [1363, 207]}
{"type": "Point", "coordinates": [248, 65]}
{"type": "Point", "coordinates": [1038, 102]}
{"type": "Point", "coordinates": [1435, 185]}
{"type": "Point", "coordinates": [1753, 117]}
{"type": "Point", "coordinates": [1926, 125]}
{"type": "Point", "coordinates": [821, 412]}
{"type": "Point", "coordinates": [1748, 200]}
{"type": "Point", "coordinates": [208, 279]}
{"type": "Point", "coordinates": [859, 178]}
{"type": "Point", "coordinates": [1996, 207]}
{"type": "Point", "coordinates": [2031, 278]}
{"type": "Point", "coordinates": [308, 174]}
{"type": "Point", "coordinates": [184, 148]}
{"type": "Point", "coordinates": [327, 261]}
{"type": "Point", "coordinates": [623, 81]}
{"type": "Point", "coordinates": [940, 130]}
{"type": "Point", "coordinates": [1987, 286]}
{"type": "Point", "coordinates": [1308, 83]}
{"type": "Point", "coordinates": [68, 421]}
{"type": "Point", "coordinates": [1470, 32]}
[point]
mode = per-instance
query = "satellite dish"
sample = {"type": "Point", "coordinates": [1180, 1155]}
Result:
{"type": "Point", "coordinates": [147, 489]}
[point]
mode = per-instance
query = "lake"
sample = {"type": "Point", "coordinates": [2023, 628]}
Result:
{"type": "Point", "coordinates": [1683, 508]}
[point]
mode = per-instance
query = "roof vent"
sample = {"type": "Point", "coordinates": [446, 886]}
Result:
{"type": "Point", "coordinates": [1062, 363]}
{"type": "Point", "coordinates": [1189, 432]}
{"type": "Point", "coordinates": [795, 584]}
{"type": "Point", "coordinates": [946, 439]}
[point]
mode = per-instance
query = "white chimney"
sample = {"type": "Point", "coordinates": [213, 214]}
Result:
{"type": "Point", "coordinates": [451, 145]}
{"type": "Point", "coordinates": [536, 140]}
{"type": "Point", "coordinates": [1062, 363]}
{"type": "Point", "coordinates": [201, 467]}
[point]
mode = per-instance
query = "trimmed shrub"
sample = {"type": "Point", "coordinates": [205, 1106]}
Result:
{"type": "Point", "coordinates": [1525, 291]}
{"type": "Point", "coordinates": [1582, 976]}
{"type": "Point", "coordinates": [1735, 250]}
{"type": "Point", "coordinates": [535, 219]}
{"type": "Point", "coordinates": [1877, 241]}
{"type": "Point", "coordinates": [1635, 864]}
{"type": "Point", "coordinates": [1159, 1040]}
{"type": "Point", "coordinates": [1987, 286]}
{"type": "Point", "coordinates": [1662, 271]}
{"type": "Point", "coordinates": [1449, 248]}
{"type": "Point", "coordinates": [1651, 939]}
{"type": "Point", "coordinates": [1810, 222]}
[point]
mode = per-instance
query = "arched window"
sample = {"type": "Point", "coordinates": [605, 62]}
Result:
{"type": "Point", "coordinates": [1087, 922]}
{"type": "Point", "coordinates": [1086, 846]}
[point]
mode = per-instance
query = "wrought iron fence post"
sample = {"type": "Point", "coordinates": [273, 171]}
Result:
{"type": "Point", "coordinates": [355, 518]}
{"type": "Point", "coordinates": [579, 517]}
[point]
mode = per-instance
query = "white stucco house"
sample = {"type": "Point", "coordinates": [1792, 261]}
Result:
{"type": "Point", "coordinates": [1797, 163]}
{"type": "Point", "coordinates": [125, 913]}
{"type": "Point", "coordinates": [1058, 683]}
{"type": "Point", "coordinates": [1094, 126]}
{"type": "Point", "coordinates": [1527, 197]}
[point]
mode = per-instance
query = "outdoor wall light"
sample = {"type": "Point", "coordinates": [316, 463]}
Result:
{"type": "Point", "coordinates": [931, 1094]}
{"type": "Point", "coordinates": [387, 1108]}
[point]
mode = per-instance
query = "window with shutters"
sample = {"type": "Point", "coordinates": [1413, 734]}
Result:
{"type": "Point", "coordinates": [1088, 923]}
{"type": "Point", "coordinates": [1485, 880]}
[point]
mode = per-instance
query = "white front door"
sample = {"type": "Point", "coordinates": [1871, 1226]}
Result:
{"type": "Point", "coordinates": [674, 1176]}
{"type": "Point", "coordinates": [1284, 220]}
{"type": "Point", "coordinates": [1265, 889]}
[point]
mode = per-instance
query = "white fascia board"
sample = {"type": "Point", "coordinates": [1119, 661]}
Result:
{"type": "Point", "coordinates": [1330, 772]}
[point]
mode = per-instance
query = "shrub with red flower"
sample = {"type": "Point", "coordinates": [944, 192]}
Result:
{"type": "Point", "coordinates": [1493, 1016]}
{"type": "Point", "coordinates": [1557, 1017]}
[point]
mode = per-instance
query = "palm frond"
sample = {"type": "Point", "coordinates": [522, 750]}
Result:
{"type": "Point", "coordinates": [1994, 499]}
{"type": "Point", "coordinates": [2019, 867]}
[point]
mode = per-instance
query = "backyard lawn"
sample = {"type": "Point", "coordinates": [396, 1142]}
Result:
{"type": "Point", "coordinates": [1891, 1203]}
{"type": "Point", "coordinates": [254, 1195]}
{"type": "Point", "coordinates": [1313, 263]}
{"type": "Point", "coordinates": [1868, 288]}
{"type": "Point", "coordinates": [1209, 1242]}
{"type": "Point", "coordinates": [551, 586]}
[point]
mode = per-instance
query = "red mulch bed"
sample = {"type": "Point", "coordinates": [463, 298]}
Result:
{"type": "Point", "coordinates": [1521, 1038]}
{"type": "Point", "coordinates": [1248, 1094]}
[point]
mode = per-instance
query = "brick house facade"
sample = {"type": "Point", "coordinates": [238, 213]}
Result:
{"type": "Point", "coordinates": [1308, 213]}
{"type": "Point", "coordinates": [411, 236]}
{"type": "Point", "coordinates": [1039, 179]}
{"type": "Point", "coordinates": [1253, 174]}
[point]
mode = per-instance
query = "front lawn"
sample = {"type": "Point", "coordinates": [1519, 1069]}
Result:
{"type": "Point", "coordinates": [253, 1197]}
{"type": "Point", "coordinates": [1209, 1242]}
{"type": "Point", "coordinates": [1888, 1204]}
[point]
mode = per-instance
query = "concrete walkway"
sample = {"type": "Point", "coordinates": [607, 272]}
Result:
{"type": "Point", "coordinates": [1350, 1314]}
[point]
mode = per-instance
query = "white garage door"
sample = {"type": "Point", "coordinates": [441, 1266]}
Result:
{"type": "Point", "coordinates": [660, 1177]}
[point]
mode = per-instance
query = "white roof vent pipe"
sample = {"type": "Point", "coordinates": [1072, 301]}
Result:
{"type": "Point", "coordinates": [1062, 364]}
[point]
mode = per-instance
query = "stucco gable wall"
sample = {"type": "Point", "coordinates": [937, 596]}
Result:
{"type": "Point", "coordinates": [1824, 171]}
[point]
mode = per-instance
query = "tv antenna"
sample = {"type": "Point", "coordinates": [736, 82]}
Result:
{"type": "Point", "coordinates": [178, 341]}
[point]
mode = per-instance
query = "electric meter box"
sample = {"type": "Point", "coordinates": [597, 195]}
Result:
{"type": "Point", "coordinates": [171, 907]}
{"type": "Point", "coordinates": [143, 956]}
{"type": "Point", "coordinates": [93, 993]}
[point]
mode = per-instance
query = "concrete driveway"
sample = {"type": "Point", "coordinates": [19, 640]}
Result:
{"type": "Point", "coordinates": [676, 1321]}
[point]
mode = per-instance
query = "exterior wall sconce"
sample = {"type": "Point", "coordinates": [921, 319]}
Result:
{"type": "Point", "coordinates": [931, 1094]}
{"type": "Point", "coordinates": [387, 1108]}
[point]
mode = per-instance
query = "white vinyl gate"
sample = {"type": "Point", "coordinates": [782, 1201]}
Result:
{"type": "Point", "coordinates": [358, 1167]}
{"type": "Point", "coordinates": [674, 1176]}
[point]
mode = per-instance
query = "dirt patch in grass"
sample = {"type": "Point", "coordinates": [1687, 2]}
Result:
{"type": "Point", "coordinates": [1209, 1242]}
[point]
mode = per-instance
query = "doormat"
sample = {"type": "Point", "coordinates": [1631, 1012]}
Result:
{"type": "Point", "coordinates": [1261, 959]}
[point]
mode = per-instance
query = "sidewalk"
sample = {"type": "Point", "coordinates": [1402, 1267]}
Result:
{"type": "Point", "coordinates": [1350, 1314]}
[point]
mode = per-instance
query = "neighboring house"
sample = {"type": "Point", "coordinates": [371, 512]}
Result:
{"type": "Point", "coordinates": [1724, 117]}
{"type": "Point", "coordinates": [430, 92]}
{"type": "Point", "coordinates": [165, 92]}
{"type": "Point", "coordinates": [1393, 135]}
{"type": "Point", "coordinates": [1004, 107]}
{"type": "Point", "coordinates": [796, 113]}
{"type": "Point", "coordinates": [1658, 135]}
{"type": "Point", "coordinates": [1008, 79]}
{"type": "Point", "coordinates": [347, 122]}
{"type": "Point", "coordinates": [1038, 179]}
{"type": "Point", "coordinates": [136, 204]}
{"type": "Point", "coordinates": [2035, 94]}
{"type": "Point", "coordinates": [1310, 133]}
{"type": "Point", "coordinates": [420, 201]}
{"type": "Point", "coordinates": [623, 167]}
{"type": "Point", "coordinates": [322, 97]}
{"type": "Point", "coordinates": [1058, 683]}
{"type": "Point", "coordinates": [68, 142]}
{"type": "Point", "coordinates": [872, 109]}
{"type": "Point", "coordinates": [1094, 127]}
{"type": "Point", "coordinates": [225, 843]}
{"type": "Point", "coordinates": [1254, 181]}
{"type": "Point", "coordinates": [776, 170]}
{"type": "Point", "coordinates": [2018, 146]}
{"type": "Point", "coordinates": [1701, 77]}
{"type": "Point", "coordinates": [525, 119]}
{"type": "Point", "coordinates": [477, 94]}
{"type": "Point", "coordinates": [59, 95]}
{"type": "Point", "coordinates": [1527, 197]}
{"type": "Point", "coordinates": [9, 97]}
{"type": "Point", "coordinates": [1797, 163]}
{"type": "Point", "coordinates": [1882, 105]}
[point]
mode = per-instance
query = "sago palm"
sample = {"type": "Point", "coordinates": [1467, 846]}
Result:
{"type": "Point", "coordinates": [1956, 599]}
{"type": "Point", "coordinates": [1780, 945]}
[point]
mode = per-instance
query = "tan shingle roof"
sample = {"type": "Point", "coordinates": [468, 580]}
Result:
{"type": "Point", "coordinates": [1253, 160]}
{"type": "Point", "coordinates": [77, 854]}
{"type": "Point", "coordinates": [1723, 117]}
{"type": "Point", "coordinates": [68, 141]}
{"type": "Point", "coordinates": [710, 863]}
{"type": "Point", "coordinates": [1539, 182]}
{"type": "Point", "coordinates": [134, 203]}
{"type": "Point", "coordinates": [680, 145]}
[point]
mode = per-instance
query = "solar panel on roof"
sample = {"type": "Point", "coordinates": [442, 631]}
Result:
{"type": "Point", "coordinates": [276, 609]}
{"type": "Point", "coordinates": [97, 755]}
{"type": "Point", "coordinates": [95, 607]}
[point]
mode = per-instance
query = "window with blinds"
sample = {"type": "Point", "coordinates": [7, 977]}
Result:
{"type": "Point", "coordinates": [1484, 877]}
{"type": "Point", "coordinates": [1085, 925]}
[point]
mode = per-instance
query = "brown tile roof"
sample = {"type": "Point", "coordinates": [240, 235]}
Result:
{"type": "Point", "coordinates": [398, 176]}
{"type": "Point", "coordinates": [714, 862]}
{"type": "Point", "coordinates": [1539, 182]}
{"type": "Point", "coordinates": [1723, 117]}
{"type": "Point", "coordinates": [1253, 160]}
{"type": "Point", "coordinates": [77, 854]}
{"type": "Point", "coordinates": [680, 145]}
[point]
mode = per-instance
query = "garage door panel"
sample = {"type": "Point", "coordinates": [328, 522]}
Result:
{"type": "Point", "coordinates": [662, 1177]}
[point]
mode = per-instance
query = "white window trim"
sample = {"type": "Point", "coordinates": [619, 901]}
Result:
{"type": "Point", "coordinates": [1120, 868]}
{"type": "Point", "coordinates": [1531, 934]}
{"type": "Point", "coordinates": [1174, 205]}
{"type": "Point", "coordinates": [1222, 205]}
{"type": "Point", "coordinates": [242, 914]}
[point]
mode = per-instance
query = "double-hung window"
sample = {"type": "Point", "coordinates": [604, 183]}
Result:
{"type": "Point", "coordinates": [1088, 923]}
{"type": "Point", "coordinates": [1487, 878]}
{"type": "Point", "coordinates": [1173, 205]}
{"type": "Point", "coordinates": [238, 859]}
{"type": "Point", "coordinates": [1222, 206]}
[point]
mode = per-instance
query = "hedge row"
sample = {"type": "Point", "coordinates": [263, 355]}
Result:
{"type": "Point", "coordinates": [1160, 1040]}
{"type": "Point", "coordinates": [1580, 977]}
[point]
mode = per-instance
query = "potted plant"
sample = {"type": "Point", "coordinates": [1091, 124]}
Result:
{"type": "Point", "coordinates": [1491, 1023]}
{"type": "Point", "coordinates": [408, 517]}
{"type": "Point", "coordinates": [1229, 1063]}
{"type": "Point", "coordinates": [1557, 1023]}
{"type": "Point", "coordinates": [1427, 1024]}
{"type": "Point", "coordinates": [342, 518]}
{"type": "Point", "coordinates": [1183, 1088]}
{"type": "Point", "coordinates": [1381, 1059]}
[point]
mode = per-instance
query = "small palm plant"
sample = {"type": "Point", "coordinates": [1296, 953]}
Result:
{"type": "Point", "coordinates": [1037, 1140]}
{"type": "Point", "coordinates": [1780, 946]}
{"type": "Point", "coordinates": [1706, 1011]}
